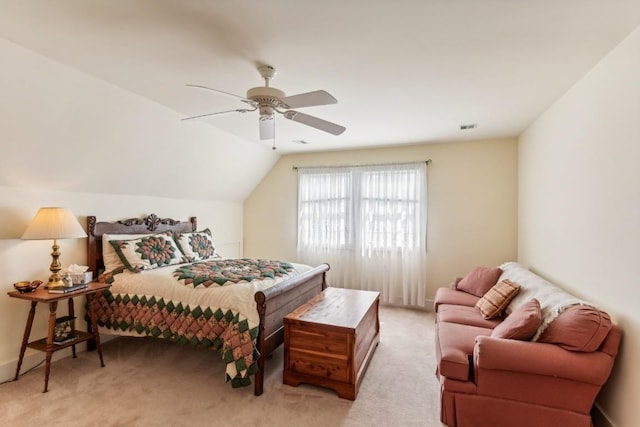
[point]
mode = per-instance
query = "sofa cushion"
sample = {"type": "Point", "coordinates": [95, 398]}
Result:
{"type": "Point", "coordinates": [578, 328]}
{"type": "Point", "coordinates": [479, 280]}
{"type": "Point", "coordinates": [454, 348]}
{"type": "Point", "coordinates": [465, 316]}
{"type": "Point", "coordinates": [497, 298]}
{"type": "Point", "coordinates": [451, 296]}
{"type": "Point", "coordinates": [521, 324]}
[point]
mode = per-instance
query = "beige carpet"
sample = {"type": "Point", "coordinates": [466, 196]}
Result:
{"type": "Point", "coordinates": [150, 382]}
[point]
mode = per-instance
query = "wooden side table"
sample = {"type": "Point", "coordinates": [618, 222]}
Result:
{"type": "Point", "coordinates": [47, 344]}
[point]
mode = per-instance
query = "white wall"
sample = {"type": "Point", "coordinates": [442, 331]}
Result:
{"type": "Point", "coordinates": [579, 205]}
{"type": "Point", "coordinates": [472, 204]}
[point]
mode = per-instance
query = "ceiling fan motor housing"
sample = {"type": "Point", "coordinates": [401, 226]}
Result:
{"type": "Point", "coordinates": [267, 98]}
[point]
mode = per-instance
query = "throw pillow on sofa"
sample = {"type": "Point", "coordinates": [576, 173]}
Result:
{"type": "Point", "coordinates": [522, 324]}
{"type": "Point", "coordinates": [497, 298]}
{"type": "Point", "coordinates": [479, 280]}
{"type": "Point", "coordinates": [578, 328]}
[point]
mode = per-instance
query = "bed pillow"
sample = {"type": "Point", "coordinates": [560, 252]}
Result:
{"type": "Point", "coordinates": [148, 252]}
{"type": "Point", "coordinates": [522, 324]}
{"type": "Point", "coordinates": [497, 298]}
{"type": "Point", "coordinates": [109, 255]}
{"type": "Point", "coordinates": [196, 246]}
{"type": "Point", "coordinates": [479, 280]}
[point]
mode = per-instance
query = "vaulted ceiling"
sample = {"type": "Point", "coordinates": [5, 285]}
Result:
{"type": "Point", "coordinates": [405, 71]}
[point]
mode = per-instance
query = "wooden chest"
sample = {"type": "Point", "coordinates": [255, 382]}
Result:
{"type": "Point", "coordinates": [330, 340]}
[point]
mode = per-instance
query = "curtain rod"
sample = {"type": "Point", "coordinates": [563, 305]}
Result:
{"type": "Point", "coordinates": [295, 168]}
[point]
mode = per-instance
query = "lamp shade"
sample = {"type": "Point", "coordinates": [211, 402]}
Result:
{"type": "Point", "coordinates": [54, 223]}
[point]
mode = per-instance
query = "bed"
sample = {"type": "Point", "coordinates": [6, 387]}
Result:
{"type": "Point", "coordinates": [143, 313]}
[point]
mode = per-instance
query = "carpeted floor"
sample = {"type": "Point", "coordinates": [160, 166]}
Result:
{"type": "Point", "coordinates": [150, 382]}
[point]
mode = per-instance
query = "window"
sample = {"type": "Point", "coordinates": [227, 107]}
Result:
{"type": "Point", "coordinates": [324, 209]}
{"type": "Point", "coordinates": [363, 219]}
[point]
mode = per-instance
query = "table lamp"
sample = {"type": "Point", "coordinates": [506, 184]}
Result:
{"type": "Point", "coordinates": [54, 223]}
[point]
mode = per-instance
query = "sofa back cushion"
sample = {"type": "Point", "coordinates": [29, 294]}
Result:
{"type": "Point", "coordinates": [521, 324]}
{"type": "Point", "coordinates": [479, 280]}
{"type": "Point", "coordinates": [578, 328]}
{"type": "Point", "coordinates": [497, 298]}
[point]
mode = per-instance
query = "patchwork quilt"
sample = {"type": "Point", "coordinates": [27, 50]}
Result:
{"type": "Point", "coordinates": [208, 304]}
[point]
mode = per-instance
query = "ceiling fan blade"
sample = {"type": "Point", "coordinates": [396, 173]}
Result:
{"type": "Point", "coordinates": [240, 110]}
{"type": "Point", "coordinates": [267, 127]}
{"type": "Point", "coordinates": [309, 99]}
{"type": "Point", "coordinates": [241, 98]}
{"type": "Point", "coordinates": [315, 122]}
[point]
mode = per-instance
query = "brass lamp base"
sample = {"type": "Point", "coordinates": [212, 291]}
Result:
{"type": "Point", "coordinates": [55, 283]}
{"type": "Point", "coordinates": [55, 267]}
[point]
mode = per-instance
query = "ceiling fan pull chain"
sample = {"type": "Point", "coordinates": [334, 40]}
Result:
{"type": "Point", "coordinates": [273, 147]}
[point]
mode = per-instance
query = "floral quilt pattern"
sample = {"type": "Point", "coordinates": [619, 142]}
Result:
{"type": "Point", "coordinates": [228, 271]}
{"type": "Point", "coordinates": [150, 252]}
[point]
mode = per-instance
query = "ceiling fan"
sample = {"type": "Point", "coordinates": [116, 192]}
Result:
{"type": "Point", "coordinates": [269, 100]}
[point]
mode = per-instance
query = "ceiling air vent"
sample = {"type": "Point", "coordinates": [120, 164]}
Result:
{"type": "Point", "coordinates": [468, 126]}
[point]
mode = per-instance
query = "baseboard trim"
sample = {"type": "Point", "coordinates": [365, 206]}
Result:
{"type": "Point", "coordinates": [599, 418]}
{"type": "Point", "coordinates": [31, 360]}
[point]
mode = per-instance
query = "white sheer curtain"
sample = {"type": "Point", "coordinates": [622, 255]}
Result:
{"type": "Point", "coordinates": [369, 224]}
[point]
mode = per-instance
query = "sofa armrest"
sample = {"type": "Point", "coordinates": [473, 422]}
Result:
{"type": "Point", "coordinates": [541, 359]}
{"type": "Point", "coordinates": [539, 373]}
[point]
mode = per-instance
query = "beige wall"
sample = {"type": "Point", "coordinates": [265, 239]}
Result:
{"type": "Point", "coordinates": [472, 204]}
{"type": "Point", "coordinates": [579, 208]}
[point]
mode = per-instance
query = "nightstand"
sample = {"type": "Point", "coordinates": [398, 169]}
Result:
{"type": "Point", "coordinates": [47, 344]}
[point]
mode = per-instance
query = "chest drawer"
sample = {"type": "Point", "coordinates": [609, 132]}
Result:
{"type": "Point", "coordinates": [316, 339]}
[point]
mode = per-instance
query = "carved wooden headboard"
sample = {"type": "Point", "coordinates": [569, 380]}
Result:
{"type": "Point", "coordinates": [147, 225]}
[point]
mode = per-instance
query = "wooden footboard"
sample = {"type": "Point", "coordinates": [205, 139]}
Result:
{"type": "Point", "coordinates": [275, 303]}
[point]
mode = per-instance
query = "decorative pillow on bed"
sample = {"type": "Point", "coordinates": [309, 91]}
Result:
{"type": "Point", "coordinates": [497, 298]}
{"type": "Point", "coordinates": [196, 246]}
{"type": "Point", "coordinates": [148, 252]}
{"type": "Point", "coordinates": [109, 255]}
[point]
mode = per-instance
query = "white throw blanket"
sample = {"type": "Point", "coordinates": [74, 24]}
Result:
{"type": "Point", "coordinates": [553, 300]}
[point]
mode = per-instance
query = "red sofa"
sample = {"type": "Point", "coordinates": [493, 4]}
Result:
{"type": "Point", "coordinates": [544, 366]}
